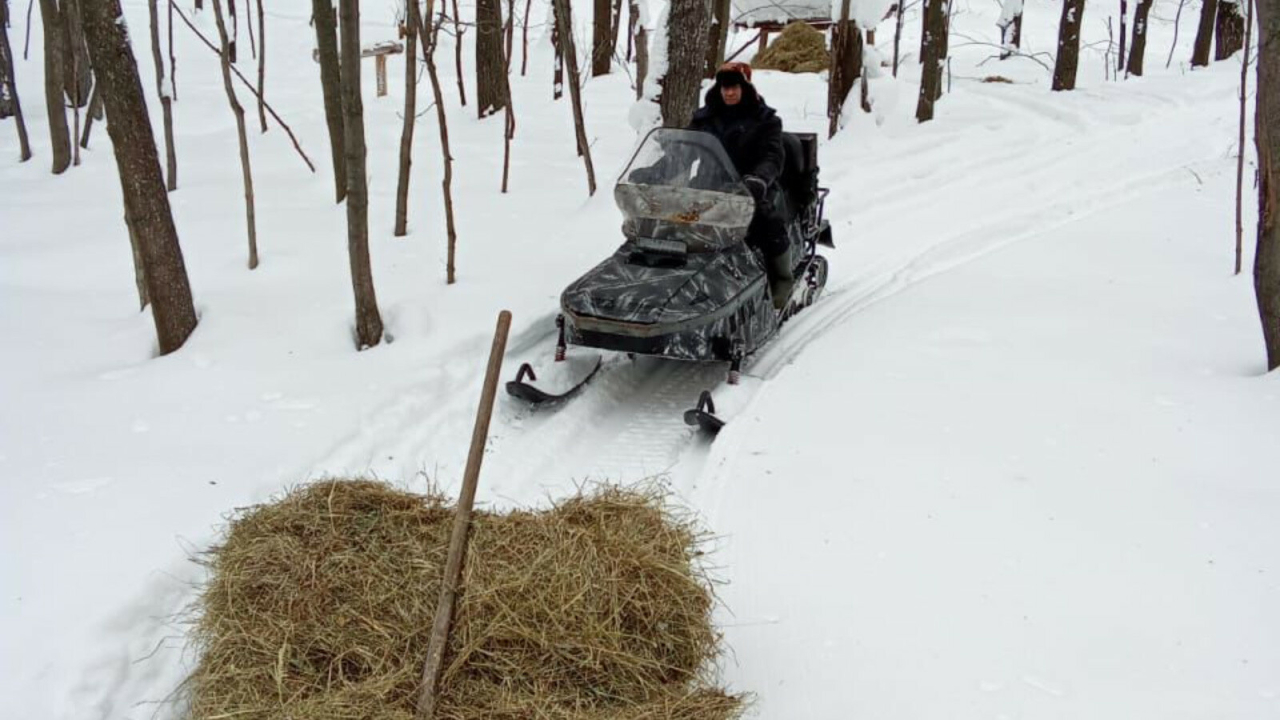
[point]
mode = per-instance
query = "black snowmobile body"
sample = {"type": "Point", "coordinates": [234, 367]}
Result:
{"type": "Point", "coordinates": [684, 284]}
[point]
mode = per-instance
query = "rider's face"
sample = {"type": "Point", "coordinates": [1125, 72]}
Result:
{"type": "Point", "coordinates": [731, 94]}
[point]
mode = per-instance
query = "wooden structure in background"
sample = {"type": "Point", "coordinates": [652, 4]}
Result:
{"type": "Point", "coordinates": [378, 51]}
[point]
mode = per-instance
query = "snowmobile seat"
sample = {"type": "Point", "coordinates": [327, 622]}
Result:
{"type": "Point", "coordinates": [799, 177]}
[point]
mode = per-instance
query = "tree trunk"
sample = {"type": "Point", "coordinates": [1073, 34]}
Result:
{"type": "Point", "coordinates": [601, 53]}
{"type": "Point", "coordinates": [1124, 35]}
{"type": "Point", "coordinates": [1010, 25]}
{"type": "Point", "coordinates": [77, 73]}
{"type": "Point", "coordinates": [846, 66]}
{"type": "Point", "coordinates": [11, 85]}
{"type": "Point", "coordinates": [931, 72]}
{"type": "Point", "coordinates": [458, 32]}
{"type": "Point", "coordinates": [557, 65]}
{"type": "Point", "coordinates": [1244, 87]}
{"type": "Point", "coordinates": [235, 30]}
{"type": "Point", "coordinates": [717, 35]}
{"type": "Point", "coordinates": [429, 32]}
{"type": "Point", "coordinates": [410, 115]}
{"type": "Point", "coordinates": [368, 320]}
{"type": "Point", "coordinates": [686, 31]}
{"type": "Point", "coordinates": [491, 86]}
{"type": "Point", "coordinates": [166, 102]}
{"type": "Point", "coordinates": [173, 60]}
{"type": "Point", "coordinates": [262, 66]}
{"type": "Point", "coordinates": [1204, 34]}
{"type": "Point", "coordinates": [331, 83]}
{"type": "Point", "coordinates": [524, 42]}
{"type": "Point", "coordinates": [238, 111]}
{"type": "Point", "coordinates": [897, 35]}
{"type": "Point", "coordinates": [1266, 261]}
{"type": "Point", "coordinates": [95, 112]}
{"type": "Point", "coordinates": [145, 199]}
{"type": "Point", "coordinates": [1139, 47]}
{"type": "Point", "coordinates": [1229, 30]}
{"type": "Point", "coordinates": [510, 31]}
{"type": "Point", "coordinates": [564, 23]}
{"type": "Point", "coordinates": [1064, 70]}
{"type": "Point", "coordinates": [59, 134]}
{"type": "Point", "coordinates": [642, 49]}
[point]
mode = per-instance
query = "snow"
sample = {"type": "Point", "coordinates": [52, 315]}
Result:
{"type": "Point", "coordinates": [1018, 462]}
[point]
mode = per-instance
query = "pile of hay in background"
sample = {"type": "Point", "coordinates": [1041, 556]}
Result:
{"type": "Point", "coordinates": [798, 48]}
{"type": "Point", "coordinates": [320, 606]}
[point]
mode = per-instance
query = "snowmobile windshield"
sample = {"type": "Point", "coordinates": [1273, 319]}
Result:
{"type": "Point", "coordinates": [681, 193]}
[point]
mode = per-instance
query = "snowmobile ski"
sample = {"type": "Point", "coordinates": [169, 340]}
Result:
{"type": "Point", "coordinates": [704, 415]}
{"type": "Point", "coordinates": [534, 395]}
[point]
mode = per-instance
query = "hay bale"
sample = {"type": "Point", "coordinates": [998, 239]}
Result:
{"type": "Point", "coordinates": [320, 606]}
{"type": "Point", "coordinates": [798, 48]}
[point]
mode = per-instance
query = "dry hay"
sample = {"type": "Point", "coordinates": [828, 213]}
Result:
{"type": "Point", "coordinates": [798, 48]}
{"type": "Point", "coordinates": [320, 606]}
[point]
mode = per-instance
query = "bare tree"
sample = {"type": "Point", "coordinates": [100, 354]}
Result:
{"type": "Point", "coordinates": [430, 33]}
{"type": "Point", "coordinates": [1010, 25]}
{"type": "Point", "coordinates": [642, 48]}
{"type": "Point", "coordinates": [564, 24]}
{"type": "Point", "coordinates": [601, 47]}
{"type": "Point", "coordinates": [717, 35]}
{"type": "Point", "coordinates": [557, 65]}
{"type": "Point", "coordinates": [410, 115]}
{"type": "Point", "coordinates": [491, 86]}
{"type": "Point", "coordinates": [166, 101]}
{"type": "Point", "coordinates": [1204, 34]}
{"type": "Point", "coordinates": [1139, 47]}
{"type": "Point", "coordinates": [262, 65]}
{"type": "Point", "coordinates": [368, 319]}
{"type": "Point", "coordinates": [524, 31]}
{"type": "Point", "coordinates": [897, 34]}
{"type": "Point", "coordinates": [238, 111]}
{"type": "Point", "coordinates": [458, 32]}
{"type": "Point", "coordinates": [1064, 69]}
{"type": "Point", "coordinates": [145, 199]}
{"type": "Point", "coordinates": [235, 30]}
{"type": "Point", "coordinates": [81, 74]}
{"type": "Point", "coordinates": [10, 84]}
{"type": "Point", "coordinates": [1266, 261]}
{"type": "Point", "coordinates": [1244, 87]}
{"type": "Point", "coordinates": [59, 134]}
{"type": "Point", "coordinates": [686, 31]}
{"type": "Point", "coordinates": [935, 14]}
{"type": "Point", "coordinates": [1229, 29]}
{"type": "Point", "coordinates": [331, 84]}
{"type": "Point", "coordinates": [846, 66]}
{"type": "Point", "coordinates": [1124, 35]}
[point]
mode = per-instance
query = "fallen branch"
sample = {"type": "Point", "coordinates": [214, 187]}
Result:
{"type": "Point", "coordinates": [247, 84]}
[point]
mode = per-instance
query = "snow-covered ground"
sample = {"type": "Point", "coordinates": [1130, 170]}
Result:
{"type": "Point", "coordinates": [1019, 462]}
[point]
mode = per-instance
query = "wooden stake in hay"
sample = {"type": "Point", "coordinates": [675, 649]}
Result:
{"type": "Point", "coordinates": [320, 605]}
{"type": "Point", "coordinates": [799, 48]}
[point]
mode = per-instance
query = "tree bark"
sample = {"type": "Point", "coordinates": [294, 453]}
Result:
{"type": "Point", "coordinates": [557, 65]}
{"type": "Point", "coordinates": [410, 115]}
{"type": "Point", "coordinates": [166, 102]}
{"type": "Point", "coordinates": [601, 53]}
{"type": "Point", "coordinates": [77, 71]}
{"type": "Point", "coordinates": [846, 66]}
{"type": "Point", "coordinates": [59, 134]}
{"type": "Point", "coordinates": [262, 65]}
{"type": "Point", "coordinates": [145, 199]}
{"type": "Point", "coordinates": [717, 35]}
{"type": "Point", "coordinates": [331, 84]}
{"type": "Point", "coordinates": [368, 320]}
{"type": "Point", "coordinates": [235, 30]}
{"type": "Point", "coordinates": [1010, 25]}
{"type": "Point", "coordinates": [564, 23]}
{"type": "Point", "coordinates": [1139, 47]}
{"type": "Point", "coordinates": [686, 31]}
{"type": "Point", "coordinates": [491, 86]}
{"type": "Point", "coordinates": [429, 32]}
{"type": "Point", "coordinates": [897, 35]}
{"type": "Point", "coordinates": [524, 33]}
{"type": "Point", "coordinates": [6, 59]}
{"type": "Point", "coordinates": [932, 59]}
{"type": "Point", "coordinates": [1064, 70]}
{"type": "Point", "coordinates": [1228, 30]}
{"type": "Point", "coordinates": [1204, 34]}
{"type": "Point", "coordinates": [95, 112]}
{"type": "Point", "coordinates": [1266, 262]}
{"type": "Point", "coordinates": [238, 111]}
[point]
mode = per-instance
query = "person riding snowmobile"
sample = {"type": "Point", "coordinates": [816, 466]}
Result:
{"type": "Point", "coordinates": [751, 133]}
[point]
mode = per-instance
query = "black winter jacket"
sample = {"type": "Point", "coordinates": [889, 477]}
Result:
{"type": "Point", "coordinates": [750, 131]}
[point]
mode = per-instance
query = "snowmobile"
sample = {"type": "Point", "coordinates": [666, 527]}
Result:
{"type": "Point", "coordinates": [685, 284]}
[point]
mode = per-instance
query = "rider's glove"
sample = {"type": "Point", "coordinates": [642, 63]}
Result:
{"type": "Point", "coordinates": [757, 187]}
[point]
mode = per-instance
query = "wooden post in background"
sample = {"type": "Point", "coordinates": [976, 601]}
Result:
{"type": "Point", "coordinates": [461, 525]}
